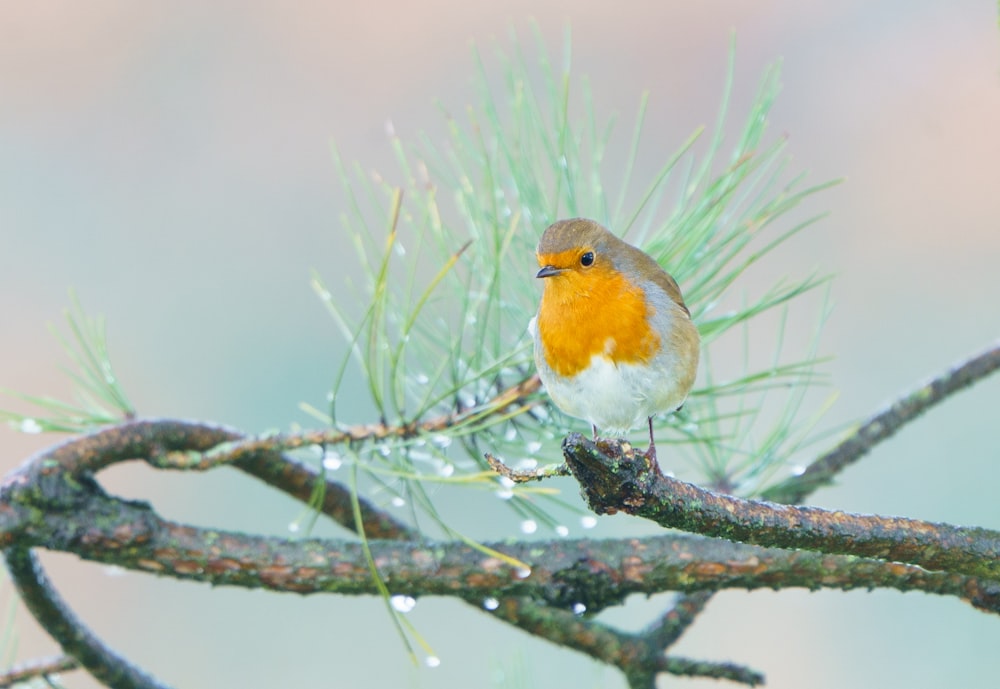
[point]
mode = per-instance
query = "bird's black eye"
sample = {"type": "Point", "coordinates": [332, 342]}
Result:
{"type": "Point", "coordinates": [587, 259]}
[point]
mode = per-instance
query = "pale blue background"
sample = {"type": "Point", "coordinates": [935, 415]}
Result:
{"type": "Point", "coordinates": [173, 166]}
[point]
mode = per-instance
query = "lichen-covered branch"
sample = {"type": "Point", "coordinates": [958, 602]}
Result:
{"type": "Point", "coordinates": [825, 468]}
{"type": "Point", "coordinates": [615, 478]}
{"type": "Point", "coordinates": [66, 482]}
{"type": "Point", "coordinates": [52, 501]}
{"type": "Point", "coordinates": [79, 518]}
{"type": "Point", "coordinates": [150, 440]}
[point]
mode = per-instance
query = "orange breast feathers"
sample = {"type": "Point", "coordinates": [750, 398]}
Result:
{"type": "Point", "coordinates": [598, 311]}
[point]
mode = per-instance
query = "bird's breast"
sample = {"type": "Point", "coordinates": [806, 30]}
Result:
{"type": "Point", "coordinates": [583, 315]}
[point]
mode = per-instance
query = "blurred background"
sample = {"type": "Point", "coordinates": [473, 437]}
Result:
{"type": "Point", "coordinates": [172, 164]}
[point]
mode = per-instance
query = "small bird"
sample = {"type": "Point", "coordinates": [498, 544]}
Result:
{"type": "Point", "coordinates": [614, 341]}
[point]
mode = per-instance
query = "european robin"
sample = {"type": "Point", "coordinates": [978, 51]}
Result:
{"type": "Point", "coordinates": [614, 341]}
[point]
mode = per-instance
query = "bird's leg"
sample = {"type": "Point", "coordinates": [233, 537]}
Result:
{"type": "Point", "coordinates": [594, 427]}
{"type": "Point", "coordinates": [651, 452]}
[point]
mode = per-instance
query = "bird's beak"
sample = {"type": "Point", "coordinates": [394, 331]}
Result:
{"type": "Point", "coordinates": [548, 271]}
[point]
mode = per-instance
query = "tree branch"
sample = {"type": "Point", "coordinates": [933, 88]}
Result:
{"type": "Point", "coordinates": [615, 478]}
{"type": "Point", "coordinates": [239, 447]}
{"type": "Point", "coordinates": [665, 631]}
{"type": "Point", "coordinates": [53, 501]}
{"type": "Point", "coordinates": [634, 654]}
{"type": "Point", "coordinates": [173, 440]}
{"type": "Point", "coordinates": [879, 427]}
{"type": "Point", "coordinates": [82, 519]}
{"type": "Point", "coordinates": [163, 443]}
{"type": "Point", "coordinates": [74, 637]}
{"type": "Point", "coordinates": [884, 425]}
{"type": "Point", "coordinates": [33, 669]}
{"type": "Point", "coordinates": [152, 439]}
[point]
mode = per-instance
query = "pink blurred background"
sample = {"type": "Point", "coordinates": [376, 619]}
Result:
{"type": "Point", "coordinates": [173, 166]}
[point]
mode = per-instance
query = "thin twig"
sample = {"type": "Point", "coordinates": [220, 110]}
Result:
{"type": "Point", "coordinates": [883, 425]}
{"type": "Point", "coordinates": [639, 660]}
{"type": "Point", "coordinates": [240, 447]}
{"type": "Point", "coordinates": [665, 631]}
{"type": "Point", "coordinates": [699, 668]}
{"type": "Point", "coordinates": [33, 669]}
{"type": "Point", "coordinates": [525, 475]}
